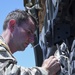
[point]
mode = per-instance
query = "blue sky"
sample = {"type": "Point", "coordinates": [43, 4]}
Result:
{"type": "Point", "coordinates": [24, 58]}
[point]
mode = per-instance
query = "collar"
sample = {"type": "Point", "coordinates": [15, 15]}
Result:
{"type": "Point", "coordinates": [2, 43]}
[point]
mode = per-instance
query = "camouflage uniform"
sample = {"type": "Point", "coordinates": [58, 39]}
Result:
{"type": "Point", "coordinates": [8, 64]}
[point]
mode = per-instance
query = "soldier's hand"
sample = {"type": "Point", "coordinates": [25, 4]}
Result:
{"type": "Point", "coordinates": [52, 65]}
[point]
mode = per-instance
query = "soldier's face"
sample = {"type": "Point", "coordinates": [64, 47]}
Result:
{"type": "Point", "coordinates": [24, 34]}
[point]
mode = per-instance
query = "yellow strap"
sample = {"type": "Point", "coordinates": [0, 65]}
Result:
{"type": "Point", "coordinates": [6, 46]}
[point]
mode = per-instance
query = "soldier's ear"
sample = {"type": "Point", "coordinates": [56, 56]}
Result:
{"type": "Point", "coordinates": [12, 24]}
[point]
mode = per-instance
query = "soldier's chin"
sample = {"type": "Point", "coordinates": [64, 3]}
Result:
{"type": "Point", "coordinates": [25, 46]}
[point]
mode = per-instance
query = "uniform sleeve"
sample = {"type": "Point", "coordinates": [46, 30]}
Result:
{"type": "Point", "coordinates": [13, 69]}
{"type": "Point", "coordinates": [8, 65]}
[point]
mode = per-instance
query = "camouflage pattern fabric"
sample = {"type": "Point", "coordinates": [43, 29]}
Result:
{"type": "Point", "coordinates": [8, 64]}
{"type": "Point", "coordinates": [62, 55]}
{"type": "Point", "coordinates": [67, 59]}
{"type": "Point", "coordinates": [72, 59]}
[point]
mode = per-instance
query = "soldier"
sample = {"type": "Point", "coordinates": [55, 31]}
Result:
{"type": "Point", "coordinates": [18, 32]}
